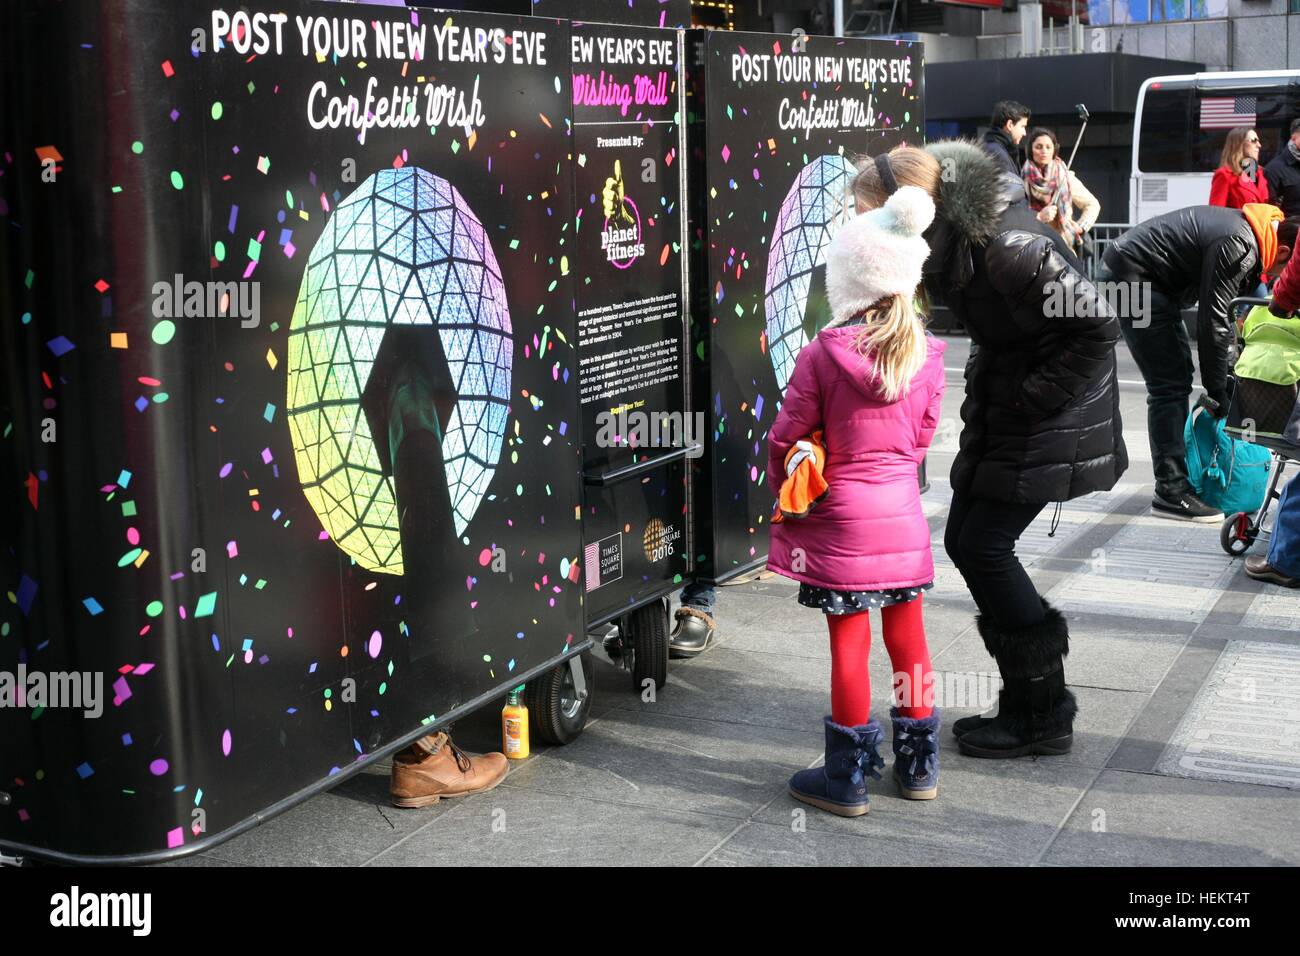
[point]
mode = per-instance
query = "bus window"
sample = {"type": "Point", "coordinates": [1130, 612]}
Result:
{"type": "Point", "coordinates": [1163, 143]}
{"type": "Point", "coordinates": [1269, 113]}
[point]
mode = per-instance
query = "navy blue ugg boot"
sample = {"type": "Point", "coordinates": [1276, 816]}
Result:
{"type": "Point", "coordinates": [916, 755]}
{"type": "Point", "coordinates": [840, 785]}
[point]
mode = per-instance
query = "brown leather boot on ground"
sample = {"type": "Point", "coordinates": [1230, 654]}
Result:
{"type": "Point", "coordinates": [434, 767]}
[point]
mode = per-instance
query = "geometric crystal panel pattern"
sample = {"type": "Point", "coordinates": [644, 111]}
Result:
{"type": "Point", "coordinates": [817, 204]}
{"type": "Point", "coordinates": [402, 249]}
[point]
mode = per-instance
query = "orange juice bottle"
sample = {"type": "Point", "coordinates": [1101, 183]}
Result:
{"type": "Point", "coordinates": [514, 726]}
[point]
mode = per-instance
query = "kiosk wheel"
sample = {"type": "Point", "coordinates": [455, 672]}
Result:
{"type": "Point", "coordinates": [559, 701]}
{"type": "Point", "coordinates": [1236, 534]}
{"type": "Point", "coordinates": [647, 634]}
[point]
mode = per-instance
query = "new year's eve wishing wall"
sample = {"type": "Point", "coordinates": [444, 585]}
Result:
{"type": "Point", "coordinates": [627, 136]}
{"type": "Point", "coordinates": [287, 536]}
{"type": "Point", "coordinates": [771, 166]}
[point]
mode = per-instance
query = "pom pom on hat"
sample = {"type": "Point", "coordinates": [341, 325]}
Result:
{"type": "Point", "coordinates": [912, 210]}
{"type": "Point", "coordinates": [878, 253]}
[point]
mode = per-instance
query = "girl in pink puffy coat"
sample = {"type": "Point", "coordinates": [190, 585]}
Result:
{"type": "Point", "coordinates": [872, 381]}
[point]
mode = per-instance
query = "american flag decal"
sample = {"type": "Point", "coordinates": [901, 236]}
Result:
{"type": "Point", "coordinates": [1225, 112]}
{"type": "Point", "coordinates": [591, 557]}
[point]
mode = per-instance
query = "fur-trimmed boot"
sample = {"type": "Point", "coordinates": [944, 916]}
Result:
{"type": "Point", "coordinates": [1035, 711]}
{"type": "Point", "coordinates": [840, 785]}
{"type": "Point", "coordinates": [916, 755]}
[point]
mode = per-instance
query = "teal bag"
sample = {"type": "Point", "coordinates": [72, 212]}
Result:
{"type": "Point", "coordinates": [1230, 474]}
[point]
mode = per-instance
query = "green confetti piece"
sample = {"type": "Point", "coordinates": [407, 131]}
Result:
{"type": "Point", "coordinates": [455, 146]}
{"type": "Point", "coordinates": [219, 251]}
{"type": "Point", "coordinates": [207, 603]}
{"type": "Point", "coordinates": [217, 110]}
{"type": "Point", "coordinates": [129, 557]}
{"type": "Point", "coordinates": [254, 250]}
{"type": "Point", "coordinates": [154, 608]}
{"type": "Point", "coordinates": [164, 331]}
{"type": "Point", "coordinates": [178, 181]}
{"type": "Point", "coordinates": [137, 147]}
{"type": "Point", "coordinates": [128, 509]}
{"type": "Point", "coordinates": [514, 243]}
{"type": "Point", "coordinates": [31, 277]}
{"type": "Point", "coordinates": [160, 398]}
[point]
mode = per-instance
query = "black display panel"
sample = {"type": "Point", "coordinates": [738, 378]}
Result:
{"type": "Point", "coordinates": [776, 128]}
{"type": "Point", "coordinates": [628, 138]}
{"type": "Point", "coordinates": [290, 419]}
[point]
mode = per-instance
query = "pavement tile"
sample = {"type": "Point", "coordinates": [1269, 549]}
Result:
{"type": "Point", "coordinates": [764, 845]}
{"type": "Point", "coordinates": [517, 827]}
{"type": "Point", "coordinates": [663, 761]}
{"type": "Point", "coordinates": [999, 811]}
{"type": "Point", "coordinates": [1136, 819]}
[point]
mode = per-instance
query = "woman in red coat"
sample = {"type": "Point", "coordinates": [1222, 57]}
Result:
{"type": "Point", "coordinates": [1239, 179]}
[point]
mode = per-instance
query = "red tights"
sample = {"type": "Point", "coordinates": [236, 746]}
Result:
{"type": "Point", "coordinates": [904, 629]}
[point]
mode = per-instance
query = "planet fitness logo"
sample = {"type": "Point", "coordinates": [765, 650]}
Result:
{"type": "Point", "coordinates": [620, 237]}
{"type": "Point", "coordinates": [817, 204]}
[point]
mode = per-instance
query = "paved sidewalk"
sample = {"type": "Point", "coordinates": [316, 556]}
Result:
{"type": "Point", "coordinates": [1187, 746]}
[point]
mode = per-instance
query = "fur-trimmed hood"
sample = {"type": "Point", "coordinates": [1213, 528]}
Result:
{"type": "Point", "coordinates": [973, 195]}
{"type": "Point", "coordinates": [972, 190]}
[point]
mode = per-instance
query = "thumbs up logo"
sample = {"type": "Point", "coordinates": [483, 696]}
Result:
{"type": "Point", "coordinates": [620, 237]}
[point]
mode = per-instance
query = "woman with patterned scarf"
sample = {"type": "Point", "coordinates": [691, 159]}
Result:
{"type": "Point", "coordinates": [1055, 191]}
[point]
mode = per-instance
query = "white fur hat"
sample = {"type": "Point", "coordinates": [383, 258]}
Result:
{"type": "Point", "coordinates": [878, 253]}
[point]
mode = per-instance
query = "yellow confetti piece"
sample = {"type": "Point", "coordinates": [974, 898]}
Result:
{"type": "Point", "coordinates": [473, 138]}
{"type": "Point", "coordinates": [117, 340]}
{"type": "Point", "coordinates": [271, 360]}
{"type": "Point", "coordinates": [144, 556]}
{"type": "Point", "coordinates": [252, 492]}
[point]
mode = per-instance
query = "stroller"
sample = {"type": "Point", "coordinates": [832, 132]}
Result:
{"type": "Point", "coordinates": [1262, 414]}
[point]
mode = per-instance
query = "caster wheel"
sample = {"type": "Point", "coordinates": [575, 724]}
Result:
{"type": "Point", "coordinates": [1236, 535]}
{"type": "Point", "coordinates": [557, 706]}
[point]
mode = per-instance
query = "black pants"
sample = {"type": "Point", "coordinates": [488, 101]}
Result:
{"type": "Point", "coordinates": [1163, 352]}
{"type": "Point", "coordinates": [980, 537]}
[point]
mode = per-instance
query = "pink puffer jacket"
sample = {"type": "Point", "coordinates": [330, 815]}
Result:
{"type": "Point", "coordinates": [869, 532]}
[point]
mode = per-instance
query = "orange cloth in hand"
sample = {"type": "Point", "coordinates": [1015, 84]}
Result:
{"type": "Point", "coordinates": [803, 488]}
{"type": "Point", "coordinates": [1261, 216]}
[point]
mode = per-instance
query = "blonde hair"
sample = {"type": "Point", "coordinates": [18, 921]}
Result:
{"type": "Point", "coordinates": [1234, 149]}
{"type": "Point", "coordinates": [911, 167]}
{"type": "Point", "coordinates": [893, 334]}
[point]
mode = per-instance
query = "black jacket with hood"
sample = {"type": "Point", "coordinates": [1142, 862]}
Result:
{"type": "Point", "coordinates": [1203, 254]}
{"type": "Point", "coordinates": [1041, 414]}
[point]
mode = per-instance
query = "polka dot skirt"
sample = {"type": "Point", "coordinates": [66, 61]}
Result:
{"type": "Point", "coordinates": [851, 602]}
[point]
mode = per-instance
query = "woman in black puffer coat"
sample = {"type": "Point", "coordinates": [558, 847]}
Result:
{"type": "Point", "coordinates": [1041, 417]}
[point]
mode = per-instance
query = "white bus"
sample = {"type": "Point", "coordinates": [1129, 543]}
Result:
{"type": "Point", "coordinates": [1181, 124]}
